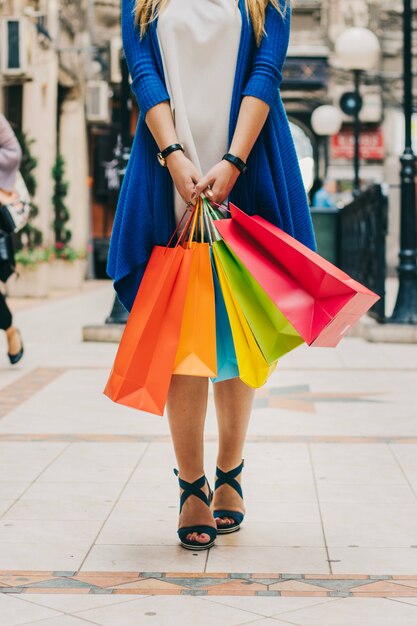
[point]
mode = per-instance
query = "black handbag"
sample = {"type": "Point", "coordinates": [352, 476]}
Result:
{"type": "Point", "coordinates": [7, 262]}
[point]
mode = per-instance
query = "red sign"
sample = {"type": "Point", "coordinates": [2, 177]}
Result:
{"type": "Point", "coordinates": [371, 145]}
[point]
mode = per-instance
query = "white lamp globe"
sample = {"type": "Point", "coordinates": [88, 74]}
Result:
{"type": "Point", "coordinates": [326, 120]}
{"type": "Point", "coordinates": [357, 49]}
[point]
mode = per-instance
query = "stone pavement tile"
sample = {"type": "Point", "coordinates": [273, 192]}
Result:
{"type": "Point", "coordinates": [62, 620]}
{"type": "Point", "coordinates": [384, 588]}
{"type": "Point", "coordinates": [268, 621]}
{"type": "Point", "coordinates": [282, 511]}
{"type": "Point", "coordinates": [14, 611]}
{"type": "Point", "coordinates": [95, 462]}
{"type": "Point", "coordinates": [41, 556]}
{"type": "Point", "coordinates": [165, 493]}
{"type": "Point", "coordinates": [354, 612]}
{"type": "Point", "coordinates": [266, 605]}
{"type": "Point", "coordinates": [289, 492]}
{"type": "Point", "coordinates": [406, 455]}
{"type": "Point", "coordinates": [130, 531]}
{"type": "Point", "coordinates": [168, 611]}
{"type": "Point", "coordinates": [74, 603]}
{"type": "Point", "coordinates": [412, 601]}
{"type": "Point", "coordinates": [48, 532]}
{"type": "Point", "coordinates": [338, 420]}
{"type": "Point", "coordinates": [5, 505]}
{"type": "Point", "coordinates": [373, 560]}
{"type": "Point", "coordinates": [273, 533]}
{"type": "Point", "coordinates": [12, 490]}
{"type": "Point", "coordinates": [78, 393]}
{"type": "Point", "coordinates": [66, 501]}
{"type": "Point", "coordinates": [23, 461]}
{"type": "Point", "coordinates": [255, 559]}
{"type": "Point", "coordinates": [143, 559]}
{"type": "Point", "coordinates": [370, 524]}
{"type": "Point", "coordinates": [150, 586]}
{"type": "Point", "coordinates": [145, 511]}
{"type": "Point", "coordinates": [365, 493]}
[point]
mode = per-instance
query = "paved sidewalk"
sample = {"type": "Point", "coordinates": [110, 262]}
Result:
{"type": "Point", "coordinates": [88, 500]}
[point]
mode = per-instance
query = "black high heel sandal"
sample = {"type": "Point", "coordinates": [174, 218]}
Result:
{"type": "Point", "coordinates": [229, 478]}
{"type": "Point", "coordinates": [15, 358]}
{"type": "Point", "coordinates": [195, 489]}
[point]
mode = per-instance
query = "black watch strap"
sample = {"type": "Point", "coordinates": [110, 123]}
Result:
{"type": "Point", "coordinates": [237, 162]}
{"type": "Point", "coordinates": [167, 151]}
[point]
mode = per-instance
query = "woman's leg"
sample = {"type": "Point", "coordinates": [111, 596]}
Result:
{"type": "Point", "coordinates": [187, 407]}
{"type": "Point", "coordinates": [234, 401]}
{"type": "Point", "coordinates": [5, 314]}
{"type": "Point", "coordinates": [6, 320]}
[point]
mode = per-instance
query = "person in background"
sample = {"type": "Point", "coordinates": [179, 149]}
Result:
{"type": "Point", "coordinates": [325, 197]}
{"type": "Point", "coordinates": [10, 158]}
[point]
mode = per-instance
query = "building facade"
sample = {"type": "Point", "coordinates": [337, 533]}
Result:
{"type": "Point", "coordinates": [68, 98]}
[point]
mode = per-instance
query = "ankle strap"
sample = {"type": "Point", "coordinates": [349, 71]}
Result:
{"type": "Point", "coordinates": [229, 478]}
{"type": "Point", "coordinates": [192, 489]}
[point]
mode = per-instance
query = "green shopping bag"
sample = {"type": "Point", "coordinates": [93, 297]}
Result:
{"type": "Point", "coordinates": [273, 333]}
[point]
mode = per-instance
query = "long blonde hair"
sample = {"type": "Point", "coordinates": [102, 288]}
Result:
{"type": "Point", "coordinates": [148, 10]}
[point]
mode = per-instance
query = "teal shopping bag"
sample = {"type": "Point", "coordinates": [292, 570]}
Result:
{"type": "Point", "coordinates": [227, 367]}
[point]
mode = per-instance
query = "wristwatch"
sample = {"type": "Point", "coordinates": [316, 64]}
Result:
{"type": "Point", "coordinates": [164, 153]}
{"type": "Point", "coordinates": [237, 162]}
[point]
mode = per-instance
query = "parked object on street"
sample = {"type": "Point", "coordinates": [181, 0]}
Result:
{"type": "Point", "coordinates": [276, 292]}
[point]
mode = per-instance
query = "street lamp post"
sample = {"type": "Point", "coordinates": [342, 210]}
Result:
{"type": "Point", "coordinates": [357, 50]}
{"type": "Point", "coordinates": [405, 310]}
{"type": "Point", "coordinates": [326, 121]}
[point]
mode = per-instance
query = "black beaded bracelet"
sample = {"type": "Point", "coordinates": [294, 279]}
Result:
{"type": "Point", "coordinates": [237, 162]}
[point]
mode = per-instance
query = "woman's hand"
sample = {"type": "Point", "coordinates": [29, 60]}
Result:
{"type": "Point", "coordinates": [218, 182]}
{"type": "Point", "coordinates": [184, 174]}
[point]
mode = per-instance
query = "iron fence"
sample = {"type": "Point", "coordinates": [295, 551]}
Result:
{"type": "Point", "coordinates": [362, 230]}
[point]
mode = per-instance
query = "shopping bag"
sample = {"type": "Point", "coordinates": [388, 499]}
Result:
{"type": "Point", "coordinates": [254, 370]}
{"type": "Point", "coordinates": [143, 366]}
{"type": "Point", "coordinates": [196, 352]}
{"type": "Point", "coordinates": [317, 298]}
{"type": "Point", "coordinates": [227, 367]}
{"type": "Point", "coordinates": [273, 333]}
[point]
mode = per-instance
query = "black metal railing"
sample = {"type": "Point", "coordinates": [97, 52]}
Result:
{"type": "Point", "coordinates": [362, 230]}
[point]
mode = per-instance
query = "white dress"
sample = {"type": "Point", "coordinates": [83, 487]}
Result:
{"type": "Point", "coordinates": [199, 42]}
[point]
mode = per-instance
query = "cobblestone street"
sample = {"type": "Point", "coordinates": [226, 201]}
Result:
{"type": "Point", "coordinates": [88, 499]}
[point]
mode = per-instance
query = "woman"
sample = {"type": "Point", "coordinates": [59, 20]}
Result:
{"type": "Point", "coordinates": [206, 74]}
{"type": "Point", "coordinates": [10, 157]}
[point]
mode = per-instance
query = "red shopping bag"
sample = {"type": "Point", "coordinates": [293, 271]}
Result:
{"type": "Point", "coordinates": [318, 299]}
{"type": "Point", "coordinates": [144, 362]}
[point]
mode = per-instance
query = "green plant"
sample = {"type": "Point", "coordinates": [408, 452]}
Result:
{"type": "Point", "coordinates": [66, 252]}
{"type": "Point", "coordinates": [29, 237]}
{"type": "Point", "coordinates": [62, 234]}
{"type": "Point", "coordinates": [28, 257]}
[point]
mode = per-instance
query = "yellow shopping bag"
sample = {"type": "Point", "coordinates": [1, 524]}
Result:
{"type": "Point", "coordinates": [253, 367]}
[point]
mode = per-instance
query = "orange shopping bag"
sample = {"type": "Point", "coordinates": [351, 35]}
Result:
{"type": "Point", "coordinates": [196, 355]}
{"type": "Point", "coordinates": [143, 366]}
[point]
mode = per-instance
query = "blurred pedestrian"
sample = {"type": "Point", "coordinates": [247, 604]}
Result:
{"type": "Point", "coordinates": [10, 158]}
{"type": "Point", "coordinates": [325, 197]}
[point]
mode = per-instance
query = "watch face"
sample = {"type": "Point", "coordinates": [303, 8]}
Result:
{"type": "Point", "coordinates": [161, 159]}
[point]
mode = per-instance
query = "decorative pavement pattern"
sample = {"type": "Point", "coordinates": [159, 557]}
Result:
{"type": "Point", "coordinates": [172, 583]}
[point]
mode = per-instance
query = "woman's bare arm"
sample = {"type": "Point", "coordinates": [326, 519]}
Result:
{"type": "Point", "coordinates": [183, 171]}
{"type": "Point", "coordinates": [223, 175]}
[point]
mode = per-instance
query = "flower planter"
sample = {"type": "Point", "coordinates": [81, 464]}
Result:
{"type": "Point", "coordinates": [30, 281]}
{"type": "Point", "coordinates": [67, 274]}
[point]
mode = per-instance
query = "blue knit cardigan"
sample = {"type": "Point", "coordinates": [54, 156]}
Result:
{"type": "Point", "coordinates": [271, 187]}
